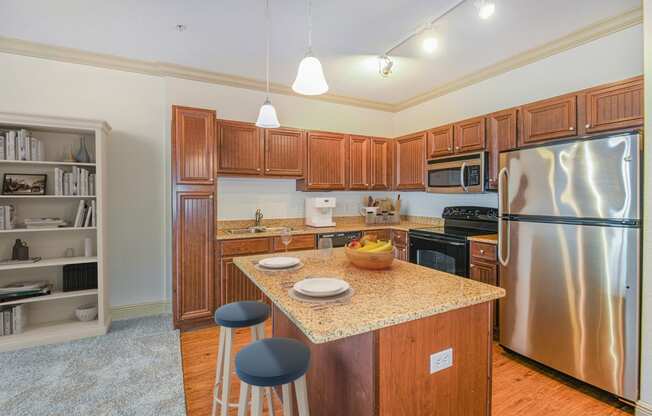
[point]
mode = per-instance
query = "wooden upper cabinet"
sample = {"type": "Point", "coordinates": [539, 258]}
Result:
{"type": "Point", "coordinates": [410, 162]}
{"type": "Point", "coordinates": [239, 148]}
{"type": "Point", "coordinates": [440, 141]}
{"type": "Point", "coordinates": [615, 106]}
{"type": "Point", "coordinates": [469, 135]}
{"type": "Point", "coordinates": [381, 164]}
{"type": "Point", "coordinates": [358, 162]}
{"type": "Point", "coordinates": [327, 161]}
{"type": "Point", "coordinates": [501, 136]}
{"type": "Point", "coordinates": [555, 118]}
{"type": "Point", "coordinates": [285, 152]}
{"type": "Point", "coordinates": [193, 146]}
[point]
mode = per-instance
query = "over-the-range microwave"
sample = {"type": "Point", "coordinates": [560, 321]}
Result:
{"type": "Point", "coordinates": [456, 174]}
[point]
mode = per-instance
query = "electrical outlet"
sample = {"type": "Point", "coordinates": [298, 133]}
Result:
{"type": "Point", "coordinates": [441, 360]}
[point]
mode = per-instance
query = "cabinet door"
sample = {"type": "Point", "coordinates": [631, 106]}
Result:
{"type": "Point", "coordinates": [298, 242]}
{"type": "Point", "coordinates": [193, 279]}
{"type": "Point", "coordinates": [469, 135]}
{"type": "Point", "coordinates": [235, 285]}
{"type": "Point", "coordinates": [359, 162]}
{"type": "Point", "coordinates": [440, 141]}
{"type": "Point", "coordinates": [285, 152]}
{"type": "Point", "coordinates": [501, 136]}
{"type": "Point", "coordinates": [327, 157]}
{"type": "Point", "coordinates": [555, 118]}
{"type": "Point", "coordinates": [239, 148]}
{"type": "Point", "coordinates": [381, 164]}
{"type": "Point", "coordinates": [615, 106]}
{"type": "Point", "coordinates": [410, 162]}
{"type": "Point", "coordinates": [382, 234]}
{"type": "Point", "coordinates": [193, 146]}
{"type": "Point", "coordinates": [485, 273]}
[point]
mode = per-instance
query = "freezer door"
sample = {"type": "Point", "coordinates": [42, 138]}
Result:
{"type": "Point", "coordinates": [572, 301]}
{"type": "Point", "coordinates": [596, 178]}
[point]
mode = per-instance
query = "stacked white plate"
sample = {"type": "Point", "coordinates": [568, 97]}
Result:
{"type": "Point", "coordinates": [321, 287]}
{"type": "Point", "coordinates": [278, 263]}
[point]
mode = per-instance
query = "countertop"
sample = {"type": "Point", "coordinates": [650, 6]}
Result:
{"type": "Point", "coordinates": [487, 238]}
{"type": "Point", "coordinates": [403, 293]}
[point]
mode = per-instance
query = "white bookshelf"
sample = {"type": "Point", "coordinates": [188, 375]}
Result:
{"type": "Point", "coordinates": [51, 318]}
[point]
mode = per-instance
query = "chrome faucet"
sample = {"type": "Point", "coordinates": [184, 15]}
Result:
{"type": "Point", "coordinates": [259, 217]}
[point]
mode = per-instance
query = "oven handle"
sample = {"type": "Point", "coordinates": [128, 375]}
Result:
{"type": "Point", "coordinates": [436, 240]}
{"type": "Point", "coordinates": [462, 177]}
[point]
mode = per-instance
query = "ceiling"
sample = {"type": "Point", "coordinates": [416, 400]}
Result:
{"type": "Point", "coordinates": [227, 36]}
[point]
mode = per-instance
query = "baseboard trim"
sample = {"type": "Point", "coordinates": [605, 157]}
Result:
{"type": "Point", "coordinates": [139, 310]}
{"type": "Point", "coordinates": [643, 408]}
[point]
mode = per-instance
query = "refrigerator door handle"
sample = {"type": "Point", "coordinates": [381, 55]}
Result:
{"type": "Point", "coordinates": [462, 183]}
{"type": "Point", "coordinates": [502, 234]}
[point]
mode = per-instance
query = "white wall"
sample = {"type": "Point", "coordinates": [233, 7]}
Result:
{"type": "Point", "coordinates": [646, 330]}
{"type": "Point", "coordinates": [611, 58]}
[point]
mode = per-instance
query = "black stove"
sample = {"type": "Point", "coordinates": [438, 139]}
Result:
{"type": "Point", "coordinates": [446, 248]}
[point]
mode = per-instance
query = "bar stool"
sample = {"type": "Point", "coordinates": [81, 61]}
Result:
{"type": "Point", "coordinates": [248, 314]}
{"type": "Point", "coordinates": [273, 362]}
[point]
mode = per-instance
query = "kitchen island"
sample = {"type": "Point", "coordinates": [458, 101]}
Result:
{"type": "Point", "coordinates": [372, 355]}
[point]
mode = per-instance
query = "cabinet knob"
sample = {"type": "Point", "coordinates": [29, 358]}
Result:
{"type": "Point", "coordinates": [457, 148]}
{"type": "Point", "coordinates": [258, 169]}
{"type": "Point", "coordinates": [472, 265]}
{"type": "Point", "coordinates": [588, 126]}
{"type": "Point", "coordinates": [267, 170]}
{"type": "Point", "coordinates": [481, 251]}
{"type": "Point", "coordinates": [571, 128]}
{"type": "Point", "coordinates": [450, 148]}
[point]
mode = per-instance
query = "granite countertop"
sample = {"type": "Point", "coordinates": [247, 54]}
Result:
{"type": "Point", "coordinates": [221, 234]}
{"type": "Point", "coordinates": [406, 292]}
{"type": "Point", "coordinates": [487, 238]}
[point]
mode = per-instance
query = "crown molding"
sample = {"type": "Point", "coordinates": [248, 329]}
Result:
{"type": "Point", "coordinates": [63, 123]}
{"type": "Point", "coordinates": [162, 69]}
{"type": "Point", "coordinates": [585, 35]}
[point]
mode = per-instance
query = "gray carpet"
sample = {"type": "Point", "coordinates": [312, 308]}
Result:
{"type": "Point", "coordinates": [133, 370]}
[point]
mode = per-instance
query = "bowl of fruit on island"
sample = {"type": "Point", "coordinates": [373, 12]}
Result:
{"type": "Point", "coordinates": [370, 253]}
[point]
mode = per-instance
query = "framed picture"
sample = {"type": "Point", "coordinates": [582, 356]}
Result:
{"type": "Point", "coordinates": [23, 184]}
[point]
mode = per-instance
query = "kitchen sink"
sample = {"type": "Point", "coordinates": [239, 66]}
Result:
{"type": "Point", "coordinates": [254, 230]}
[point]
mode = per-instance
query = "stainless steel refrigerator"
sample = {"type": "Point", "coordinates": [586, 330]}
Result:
{"type": "Point", "coordinates": [569, 248]}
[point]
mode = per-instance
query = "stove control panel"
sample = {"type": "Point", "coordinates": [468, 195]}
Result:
{"type": "Point", "coordinates": [471, 213]}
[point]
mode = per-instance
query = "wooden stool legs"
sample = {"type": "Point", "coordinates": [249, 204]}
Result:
{"type": "Point", "coordinates": [257, 398]}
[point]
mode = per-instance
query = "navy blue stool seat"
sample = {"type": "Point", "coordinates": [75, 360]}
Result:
{"type": "Point", "coordinates": [272, 362]}
{"type": "Point", "coordinates": [242, 314]}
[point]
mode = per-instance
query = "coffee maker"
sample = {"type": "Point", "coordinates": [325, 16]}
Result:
{"type": "Point", "coordinates": [319, 212]}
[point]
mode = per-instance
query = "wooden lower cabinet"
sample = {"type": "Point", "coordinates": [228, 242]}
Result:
{"type": "Point", "coordinates": [400, 242]}
{"type": "Point", "coordinates": [483, 268]}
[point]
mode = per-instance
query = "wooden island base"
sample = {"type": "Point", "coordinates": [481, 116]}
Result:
{"type": "Point", "coordinates": [387, 372]}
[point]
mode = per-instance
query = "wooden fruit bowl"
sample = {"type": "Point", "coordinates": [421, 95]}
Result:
{"type": "Point", "coordinates": [370, 261]}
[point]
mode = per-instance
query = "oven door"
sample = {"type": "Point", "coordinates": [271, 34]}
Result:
{"type": "Point", "coordinates": [440, 253]}
{"type": "Point", "coordinates": [457, 174]}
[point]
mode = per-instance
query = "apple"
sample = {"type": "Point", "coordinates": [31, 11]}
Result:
{"type": "Point", "coordinates": [355, 244]}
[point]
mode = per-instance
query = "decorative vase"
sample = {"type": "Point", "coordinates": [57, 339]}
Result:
{"type": "Point", "coordinates": [82, 154]}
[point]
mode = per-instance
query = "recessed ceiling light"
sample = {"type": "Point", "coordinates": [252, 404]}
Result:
{"type": "Point", "coordinates": [181, 28]}
{"type": "Point", "coordinates": [430, 44]}
{"type": "Point", "coordinates": [485, 8]}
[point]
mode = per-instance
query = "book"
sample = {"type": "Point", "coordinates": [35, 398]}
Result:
{"type": "Point", "coordinates": [33, 144]}
{"type": "Point", "coordinates": [6, 317]}
{"type": "Point", "coordinates": [10, 144]}
{"type": "Point", "coordinates": [79, 217]}
{"type": "Point", "coordinates": [91, 184]}
{"type": "Point", "coordinates": [2, 147]}
{"type": "Point", "coordinates": [19, 319]}
{"type": "Point", "coordinates": [93, 214]}
{"type": "Point", "coordinates": [2, 217]}
{"type": "Point", "coordinates": [89, 214]}
{"type": "Point", "coordinates": [21, 146]}
{"type": "Point", "coordinates": [9, 217]}
{"type": "Point", "coordinates": [67, 183]}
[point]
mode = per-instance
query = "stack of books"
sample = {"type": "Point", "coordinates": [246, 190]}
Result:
{"type": "Point", "coordinates": [85, 216]}
{"type": "Point", "coordinates": [23, 290]}
{"type": "Point", "coordinates": [19, 145]}
{"type": "Point", "coordinates": [7, 215]}
{"type": "Point", "coordinates": [40, 223]}
{"type": "Point", "coordinates": [13, 320]}
{"type": "Point", "coordinates": [76, 182]}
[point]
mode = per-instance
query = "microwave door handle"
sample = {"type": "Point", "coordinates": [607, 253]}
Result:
{"type": "Point", "coordinates": [462, 183]}
{"type": "Point", "coordinates": [503, 235]}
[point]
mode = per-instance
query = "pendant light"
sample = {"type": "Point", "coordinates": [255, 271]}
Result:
{"type": "Point", "coordinates": [267, 118]}
{"type": "Point", "coordinates": [310, 75]}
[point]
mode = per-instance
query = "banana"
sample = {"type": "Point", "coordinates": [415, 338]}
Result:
{"type": "Point", "coordinates": [385, 246]}
{"type": "Point", "coordinates": [370, 246]}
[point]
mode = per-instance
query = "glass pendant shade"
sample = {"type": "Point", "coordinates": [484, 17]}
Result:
{"type": "Point", "coordinates": [267, 118]}
{"type": "Point", "coordinates": [310, 77]}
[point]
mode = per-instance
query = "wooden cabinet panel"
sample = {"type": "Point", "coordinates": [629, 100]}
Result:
{"type": "Point", "coordinates": [399, 238]}
{"type": "Point", "coordinates": [193, 230]}
{"type": "Point", "coordinates": [381, 164]}
{"type": "Point", "coordinates": [327, 162]}
{"type": "Point", "coordinates": [193, 146]}
{"type": "Point", "coordinates": [235, 285]}
{"type": "Point", "coordinates": [382, 234]}
{"type": "Point", "coordinates": [615, 106]}
{"type": "Point", "coordinates": [485, 273]}
{"type": "Point", "coordinates": [285, 152]}
{"type": "Point", "coordinates": [440, 141]}
{"type": "Point", "coordinates": [410, 162]}
{"type": "Point", "coordinates": [239, 148]}
{"type": "Point", "coordinates": [555, 118]}
{"type": "Point", "coordinates": [359, 162]}
{"type": "Point", "coordinates": [245, 246]}
{"type": "Point", "coordinates": [483, 251]}
{"type": "Point", "coordinates": [501, 136]}
{"type": "Point", "coordinates": [402, 254]}
{"type": "Point", "coordinates": [299, 242]}
{"type": "Point", "coordinates": [469, 135]}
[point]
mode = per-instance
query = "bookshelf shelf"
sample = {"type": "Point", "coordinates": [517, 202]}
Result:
{"type": "Point", "coordinates": [52, 296]}
{"type": "Point", "coordinates": [50, 318]}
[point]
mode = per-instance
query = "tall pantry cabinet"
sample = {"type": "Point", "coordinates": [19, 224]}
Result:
{"type": "Point", "coordinates": [193, 215]}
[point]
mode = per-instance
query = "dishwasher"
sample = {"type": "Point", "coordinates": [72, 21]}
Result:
{"type": "Point", "coordinates": [340, 239]}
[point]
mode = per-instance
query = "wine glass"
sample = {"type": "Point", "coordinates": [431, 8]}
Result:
{"type": "Point", "coordinates": [325, 247]}
{"type": "Point", "coordinates": [286, 237]}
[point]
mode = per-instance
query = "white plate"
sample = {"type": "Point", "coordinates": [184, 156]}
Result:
{"type": "Point", "coordinates": [279, 262]}
{"type": "Point", "coordinates": [320, 287]}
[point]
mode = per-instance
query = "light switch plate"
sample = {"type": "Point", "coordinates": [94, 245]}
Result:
{"type": "Point", "coordinates": [441, 360]}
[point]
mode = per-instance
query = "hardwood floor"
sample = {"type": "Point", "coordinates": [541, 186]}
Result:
{"type": "Point", "coordinates": [520, 387]}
